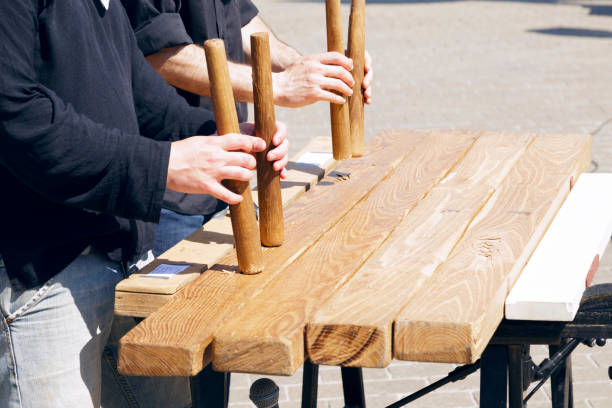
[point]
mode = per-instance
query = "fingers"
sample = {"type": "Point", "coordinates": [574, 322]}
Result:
{"type": "Point", "coordinates": [281, 133]}
{"type": "Point", "coordinates": [334, 71]}
{"type": "Point", "coordinates": [235, 173]}
{"type": "Point", "coordinates": [240, 159]}
{"type": "Point", "coordinates": [279, 155]}
{"type": "Point", "coordinates": [217, 190]}
{"type": "Point", "coordinates": [368, 79]}
{"type": "Point", "coordinates": [234, 141]}
{"type": "Point", "coordinates": [335, 58]}
{"type": "Point", "coordinates": [331, 97]}
{"type": "Point", "coordinates": [336, 85]}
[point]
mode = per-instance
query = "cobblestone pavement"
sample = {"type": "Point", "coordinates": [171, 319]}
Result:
{"type": "Point", "coordinates": [533, 66]}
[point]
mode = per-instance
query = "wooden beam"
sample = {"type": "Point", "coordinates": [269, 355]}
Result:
{"type": "Point", "coordinates": [354, 327]}
{"type": "Point", "coordinates": [553, 281]}
{"type": "Point", "coordinates": [273, 342]}
{"type": "Point", "coordinates": [173, 340]}
{"type": "Point", "coordinates": [456, 311]}
{"type": "Point", "coordinates": [136, 295]}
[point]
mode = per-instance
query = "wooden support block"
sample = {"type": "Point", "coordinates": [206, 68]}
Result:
{"type": "Point", "coordinates": [553, 281]}
{"type": "Point", "coordinates": [173, 340]}
{"type": "Point", "coordinates": [273, 342]}
{"type": "Point", "coordinates": [139, 295]}
{"type": "Point", "coordinates": [456, 311]}
{"type": "Point", "coordinates": [354, 327]}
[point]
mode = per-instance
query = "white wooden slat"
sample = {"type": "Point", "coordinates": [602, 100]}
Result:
{"type": "Point", "coordinates": [553, 281]}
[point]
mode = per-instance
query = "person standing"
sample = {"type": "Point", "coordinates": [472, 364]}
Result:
{"type": "Point", "coordinates": [90, 139]}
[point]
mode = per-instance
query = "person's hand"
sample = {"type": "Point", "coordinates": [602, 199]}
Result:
{"type": "Point", "coordinates": [199, 164]}
{"type": "Point", "coordinates": [367, 79]}
{"type": "Point", "coordinates": [313, 78]}
{"type": "Point", "coordinates": [278, 155]}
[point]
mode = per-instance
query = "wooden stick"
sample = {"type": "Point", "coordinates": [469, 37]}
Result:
{"type": "Point", "coordinates": [244, 223]}
{"type": "Point", "coordinates": [271, 229]}
{"type": "Point", "coordinates": [356, 51]}
{"type": "Point", "coordinates": [341, 138]}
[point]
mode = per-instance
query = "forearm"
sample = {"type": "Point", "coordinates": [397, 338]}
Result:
{"type": "Point", "coordinates": [282, 55]}
{"type": "Point", "coordinates": [185, 68]}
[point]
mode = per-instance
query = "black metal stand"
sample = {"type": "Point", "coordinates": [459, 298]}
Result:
{"type": "Point", "coordinates": [494, 377]}
{"type": "Point", "coordinates": [310, 384]}
{"type": "Point", "coordinates": [210, 389]}
{"type": "Point", "coordinates": [352, 386]}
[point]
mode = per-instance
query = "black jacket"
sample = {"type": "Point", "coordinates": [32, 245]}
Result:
{"type": "Point", "coordinates": [84, 125]}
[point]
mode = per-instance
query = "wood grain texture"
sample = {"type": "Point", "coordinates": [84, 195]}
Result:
{"type": "Point", "coordinates": [356, 51]}
{"type": "Point", "coordinates": [136, 296]}
{"type": "Point", "coordinates": [271, 230]}
{"type": "Point", "coordinates": [273, 342]}
{"type": "Point", "coordinates": [244, 221]}
{"type": "Point", "coordinates": [339, 114]}
{"type": "Point", "coordinates": [173, 340]}
{"type": "Point", "coordinates": [354, 327]}
{"type": "Point", "coordinates": [456, 311]}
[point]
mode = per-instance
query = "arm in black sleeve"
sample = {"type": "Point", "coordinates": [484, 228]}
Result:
{"type": "Point", "coordinates": [157, 24]}
{"type": "Point", "coordinates": [61, 154]}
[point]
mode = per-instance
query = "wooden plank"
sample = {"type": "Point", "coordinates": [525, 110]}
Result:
{"type": "Point", "coordinates": [273, 342]}
{"type": "Point", "coordinates": [553, 281]}
{"type": "Point", "coordinates": [354, 327]}
{"type": "Point", "coordinates": [173, 340]}
{"type": "Point", "coordinates": [203, 248]}
{"type": "Point", "coordinates": [456, 311]}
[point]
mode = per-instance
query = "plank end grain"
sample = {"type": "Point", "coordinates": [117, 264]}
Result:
{"type": "Point", "coordinates": [274, 356]}
{"type": "Point", "coordinates": [455, 345]}
{"type": "Point", "coordinates": [349, 346]}
{"type": "Point", "coordinates": [151, 360]}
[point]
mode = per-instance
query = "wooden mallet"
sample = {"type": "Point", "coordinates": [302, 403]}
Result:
{"type": "Point", "coordinates": [268, 180]}
{"type": "Point", "coordinates": [244, 222]}
{"type": "Point", "coordinates": [356, 51]}
{"type": "Point", "coordinates": [341, 138]}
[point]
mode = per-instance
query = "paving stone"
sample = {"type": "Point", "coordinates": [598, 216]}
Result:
{"type": "Point", "coordinates": [599, 403]}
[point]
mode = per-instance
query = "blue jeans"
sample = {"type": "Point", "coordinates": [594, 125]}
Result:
{"type": "Point", "coordinates": [58, 344]}
{"type": "Point", "coordinates": [174, 227]}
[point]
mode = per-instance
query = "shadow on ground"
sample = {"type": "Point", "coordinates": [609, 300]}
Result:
{"type": "Point", "coordinates": [573, 32]}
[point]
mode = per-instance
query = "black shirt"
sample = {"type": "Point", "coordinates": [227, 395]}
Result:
{"type": "Point", "coordinates": [84, 124]}
{"type": "Point", "coordinates": [162, 24]}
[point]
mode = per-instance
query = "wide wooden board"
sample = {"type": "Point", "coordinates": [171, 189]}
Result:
{"type": "Point", "coordinates": [135, 296]}
{"type": "Point", "coordinates": [173, 340]}
{"type": "Point", "coordinates": [272, 342]}
{"type": "Point", "coordinates": [354, 327]}
{"type": "Point", "coordinates": [553, 281]}
{"type": "Point", "coordinates": [456, 311]}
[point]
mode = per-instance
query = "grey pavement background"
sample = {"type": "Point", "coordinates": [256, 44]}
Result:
{"type": "Point", "coordinates": [533, 66]}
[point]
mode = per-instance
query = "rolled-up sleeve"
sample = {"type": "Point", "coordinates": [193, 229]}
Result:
{"type": "Point", "coordinates": [247, 11]}
{"type": "Point", "coordinates": [157, 24]}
